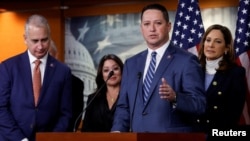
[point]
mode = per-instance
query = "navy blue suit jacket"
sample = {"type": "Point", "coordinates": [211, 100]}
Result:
{"type": "Point", "coordinates": [19, 118]}
{"type": "Point", "coordinates": [225, 100]}
{"type": "Point", "coordinates": [183, 72]}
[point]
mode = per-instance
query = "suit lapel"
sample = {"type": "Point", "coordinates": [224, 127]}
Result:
{"type": "Point", "coordinates": [25, 73]}
{"type": "Point", "coordinates": [48, 75]}
{"type": "Point", "coordinates": [166, 59]}
{"type": "Point", "coordinates": [141, 61]}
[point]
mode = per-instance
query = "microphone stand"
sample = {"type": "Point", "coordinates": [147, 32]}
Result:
{"type": "Point", "coordinates": [111, 73]}
{"type": "Point", "coordinates": [133, 110]}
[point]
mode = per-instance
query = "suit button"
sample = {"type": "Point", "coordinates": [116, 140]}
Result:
{"type": "Point", "coordinates": [144, 113]}
{"type": "Point", "coordinates": [31, 126]}
{"type": "Point", "coordinates": [207, 121]}
{"type": "Point", "coordinates": [215, 107]}
{"type": "Point", "coordinates": [198, 120]}
{"type": "Point", "coordinates": [219, 93]}
{"type": "Point", "coordinates": [214, 83]}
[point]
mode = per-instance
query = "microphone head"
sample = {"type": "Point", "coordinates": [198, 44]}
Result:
{"type": "Point", "coordinates": [139, 75]}
{"type": "Point", "coordinates": [110, 74]}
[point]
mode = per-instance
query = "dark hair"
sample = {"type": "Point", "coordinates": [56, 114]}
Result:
{"type": "Point", "coordinates": [157, 7]}
{"type": "Point", "coordinates": [228, 58]}
{"type": "Point", "coordinates": [99, 78]}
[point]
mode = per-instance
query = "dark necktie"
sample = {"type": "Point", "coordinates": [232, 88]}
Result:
{"type": "Point", "coordinates": [36, 80]}
{"type": "Point", "coordinates": [149, 76]}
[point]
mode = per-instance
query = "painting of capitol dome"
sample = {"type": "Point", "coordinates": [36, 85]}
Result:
{"type": "Point", "coordinates": [80, 61]}
{"type": "Point", "coordinates": [88, 39]}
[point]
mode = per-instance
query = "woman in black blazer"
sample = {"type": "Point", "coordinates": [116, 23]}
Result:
{"type": "Point", "coordinates": [225, 81]}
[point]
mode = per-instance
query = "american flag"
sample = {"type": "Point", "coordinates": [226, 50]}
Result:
{"type": "Point", "coordinates": [188, 27]}
{"type": "Point", "coordinates": [242, 48]}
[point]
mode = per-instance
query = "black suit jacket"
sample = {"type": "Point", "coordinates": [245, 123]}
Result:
{"type": "Point", "coordinates": [98, 116]}
{"type": "Point", "coordinates": [77, 102]}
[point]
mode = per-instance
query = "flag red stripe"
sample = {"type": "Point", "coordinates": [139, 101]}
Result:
{"type": "Point", "coordinates": [243, 60]}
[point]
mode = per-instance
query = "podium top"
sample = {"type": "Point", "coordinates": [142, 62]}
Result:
{"type": "Point", "coordinates": [90, 136]}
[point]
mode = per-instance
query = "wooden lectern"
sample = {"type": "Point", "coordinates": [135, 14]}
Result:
{"type": "Point", "coordinates": [52, 136]}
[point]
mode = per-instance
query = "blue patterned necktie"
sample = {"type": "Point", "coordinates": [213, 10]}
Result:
{"type": "Point", "coordinates": [149, 76]}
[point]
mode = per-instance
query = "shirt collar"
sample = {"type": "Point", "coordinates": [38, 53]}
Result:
{"type": "Point", "coordinates": [32, 58]}
{"type": "Point", "coordinates": [160, 51]}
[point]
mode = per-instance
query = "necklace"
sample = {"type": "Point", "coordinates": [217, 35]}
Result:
{"type": "Point", "coordinates": [112, 99]}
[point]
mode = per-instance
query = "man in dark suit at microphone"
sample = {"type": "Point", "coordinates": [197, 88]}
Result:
{"type": "Point", "coordinates": [169, 94]}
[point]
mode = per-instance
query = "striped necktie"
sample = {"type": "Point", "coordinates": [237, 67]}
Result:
{"type": "Point", "coordinates": [149, 76]}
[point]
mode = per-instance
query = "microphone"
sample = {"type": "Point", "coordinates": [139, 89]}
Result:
{"type": "Point", "coordinates": [111, 73]}
{"type": "Point", "coordinates": [133, 110]}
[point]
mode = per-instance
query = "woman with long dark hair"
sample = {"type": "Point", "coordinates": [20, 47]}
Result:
{"type": "Point", "coordinates": [101, 104]}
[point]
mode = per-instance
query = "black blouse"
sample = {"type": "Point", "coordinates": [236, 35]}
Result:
{"type": "Point", "coordinates": [98, 117]}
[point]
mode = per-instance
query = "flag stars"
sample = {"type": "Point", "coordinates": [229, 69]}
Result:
{"type": "Point", "coordinates": [246, 2]}
{"type": "Point", "coordinates": [83, 31]}
{"type": "Point", "coordinates": [192, 31]}
{"type": "Point", "coordinates": [201, 26]}
{"type": "Point", "coordinates": [182, 36]}
{"type": "Point", "coordinates": [190, 40]}
{"type": "Point", "coordinates": [187, 18]}
{"type": "Point", "coordinates": [175, 42]}
{"type": "Point", "coordinates": [183, 5]}
{"type": "Point", "coordinates": [242, 21]}
{"type": "Point", "coordinates": [238, 40]}
{"type": "Point", "coordinates": [246, 43]}
{"type": "Point", "coordinates": [188, 24]}
{"type": "Point", "coordinates": [102, 44]}
{"type": "Point", "coordinates": [190, 9]}
{"type": "Point", "coordinates": [195, 22]}
{"type": "Point", "coordinates": [180, 14]}
{"type": "Point", "coordinates": [178, 23]}
{"type": "Point", "coordinates": [177, 33]}
{"type": "Point", "coordinates": [181, 45]}
{"type": "Point", "coordinates": [200, 34]}
{"type": "Point", "coordinates": [237, 50]}
{"type": "Point", "coordinates": [244, 11]}
{"type": "Point", "coordinates": [248, 34]}
{"type": "Point", "coordinates": [184, 27]}
{"type": "Point", "coordinates": [197, 13]}
{"type": "Point", "coordinates": [242, 36]}
{"type": "Point", "coordinates": [240, 30]}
